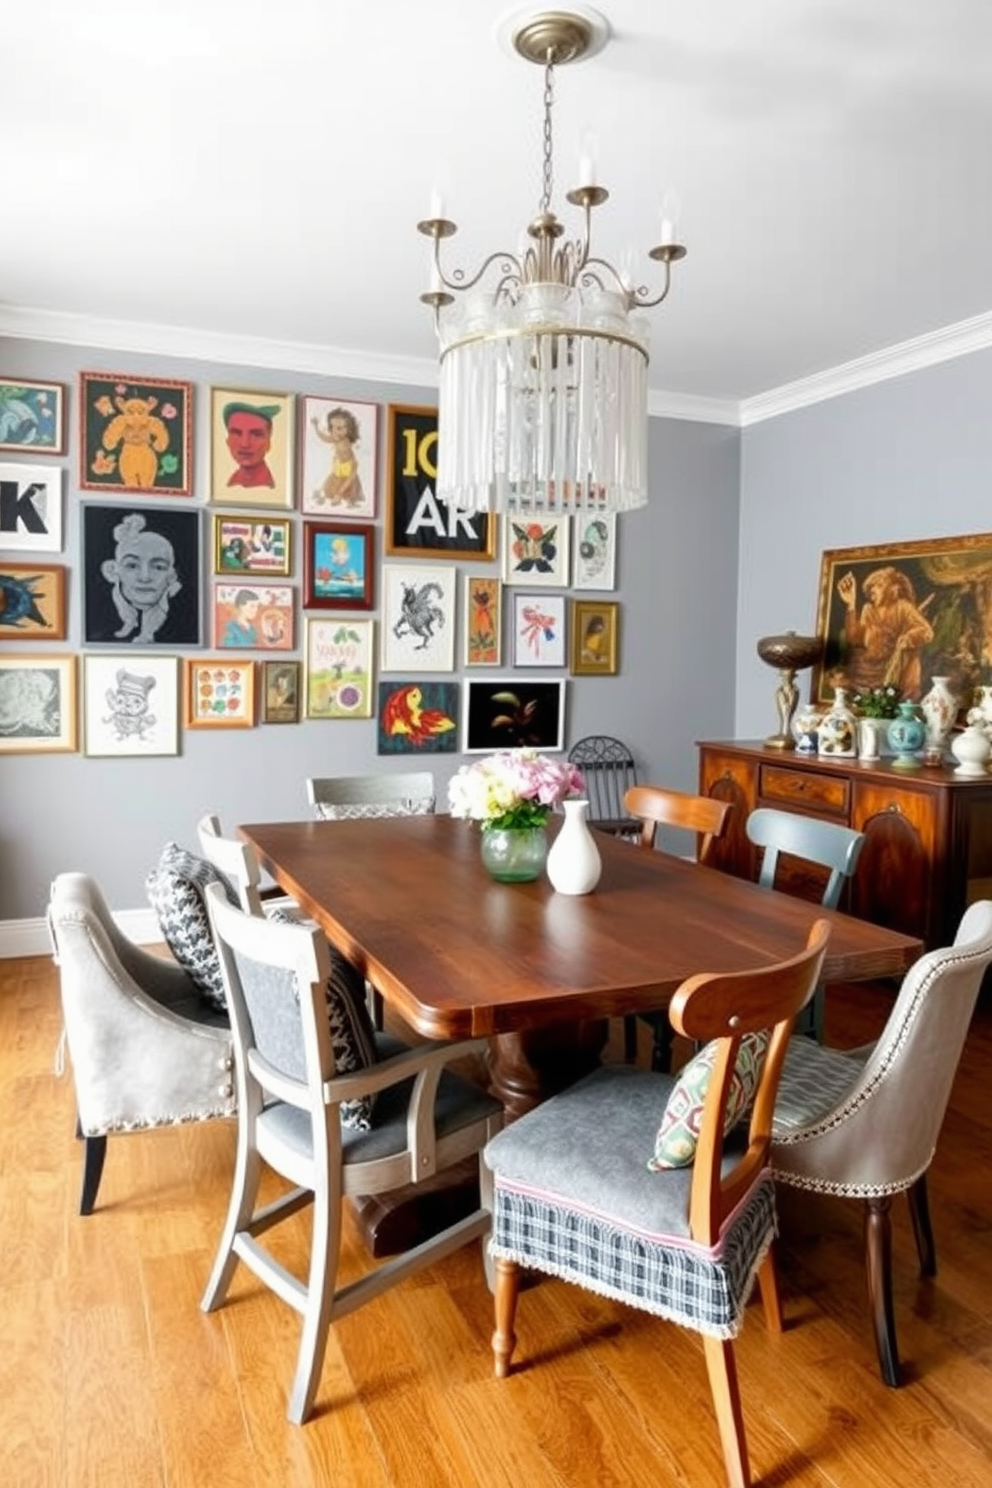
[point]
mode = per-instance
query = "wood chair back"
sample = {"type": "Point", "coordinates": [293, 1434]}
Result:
{"type": "Point", "coordinates": [658, 806]}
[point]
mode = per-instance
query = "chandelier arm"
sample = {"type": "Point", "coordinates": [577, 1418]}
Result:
{"type": "Point", "coordinates": [638, 297]}
{"type": "Point", "coordinates": [460, 283]}
{"type": "Point", "coordinates": [604, 263]}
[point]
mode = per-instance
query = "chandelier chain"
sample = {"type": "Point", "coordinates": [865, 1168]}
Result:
{"type": "Point", "coordinates": [549, 98]}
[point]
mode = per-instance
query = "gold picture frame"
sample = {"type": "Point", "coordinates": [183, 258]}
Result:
{"type": "Point", "coordinates": [595, 627]}
{"type": "Point", "coordinates": [38, 705]}
{"type": "Point", "coordinates": [218, 692]}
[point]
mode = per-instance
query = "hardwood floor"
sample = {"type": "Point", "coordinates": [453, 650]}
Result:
{"type": "Point", "coordinates": [111, 1377]}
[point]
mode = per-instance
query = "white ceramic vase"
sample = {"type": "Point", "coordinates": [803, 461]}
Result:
{"type": "Point", "coordinates": [574, 864]}
{"type": "Point", "coordinates": [939, 708]}
{"type": "Point", "coordinates": [870, 732]}
{"type": "Point", "coordinates": [838, 733]}
{"type": "Point", "coordinates": [971, 749]}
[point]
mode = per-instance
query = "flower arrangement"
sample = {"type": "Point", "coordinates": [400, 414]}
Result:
{"type": "Point", "coordinates": [513, 788]}
{"type": "Point", "coordinates": [877, 702]}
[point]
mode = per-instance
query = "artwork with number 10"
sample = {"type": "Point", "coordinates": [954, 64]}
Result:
{"type": "Point", "coordinates": [417, 524]}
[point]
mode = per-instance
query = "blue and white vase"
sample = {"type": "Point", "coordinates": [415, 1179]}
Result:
{"type": "Point", "coordinates": [905, 735]}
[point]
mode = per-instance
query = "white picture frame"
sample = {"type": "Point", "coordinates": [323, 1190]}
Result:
{"type": "Point", "coordinates": [594, 551]}
{"type": "Point", "coordinates": [513, 712]}
{"type": "Point", "coordinates": [130, 705]}
{"type": "Point", "coordinates": [31, 501]}
{"type": "Point", "coordinates": [536, 551]}
{"type": "Point", "coordinates": [418, 618]}
{"type": "Point", "coordinates": [539, 630]}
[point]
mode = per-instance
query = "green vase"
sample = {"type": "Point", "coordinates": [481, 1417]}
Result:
{"type": "Point", "coordinates": [514, 854]}
{"type": "Point", "coordinates": [905, 735]}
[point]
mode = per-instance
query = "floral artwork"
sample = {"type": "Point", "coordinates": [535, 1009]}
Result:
{"type": "Point", "coordinates": [512, 789]}
{"type": "Point", "coordinates": [512, 712]}
{"type": "Point", "coordinates": [339, 668]}
{"type": "Point", "coordinates": [595, 551]}
{"type": "Point", "coordinates": [539, 630]}
{"type": "Point", "coordinates": [483, 618]}
{"type": "Point", "coordinates": [418, 717]}
{"type": "Point", "coordinates": [254, 616]}
{"type": "Point", "coordinates": [220, 693]}
{"type": "Point", "coordinates": [135, 434]}
{"type": "Point", "coordinates": [536, 552]}
{"type": "Point", "coordinates": [32, 416]}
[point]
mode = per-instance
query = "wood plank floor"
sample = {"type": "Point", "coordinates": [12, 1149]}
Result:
{"type": "Point", "coordinates": [111, 1377]}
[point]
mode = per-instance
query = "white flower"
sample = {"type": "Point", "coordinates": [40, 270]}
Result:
{"type": "Point", "coordinates": [513, 788]}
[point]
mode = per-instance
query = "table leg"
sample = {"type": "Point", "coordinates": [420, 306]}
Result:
{"type": "Point", "coordinates": [529, 1067]}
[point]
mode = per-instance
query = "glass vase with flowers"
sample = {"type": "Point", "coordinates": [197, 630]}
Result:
{"type": "Point", "coordinates": [511, 794]}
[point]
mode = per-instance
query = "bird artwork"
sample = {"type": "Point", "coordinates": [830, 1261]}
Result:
{"type": "Point", "coordinates": [407, 721]}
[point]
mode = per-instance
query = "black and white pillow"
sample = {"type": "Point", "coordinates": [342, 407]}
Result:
{"type": "Point", "coordinates": [176, 887]}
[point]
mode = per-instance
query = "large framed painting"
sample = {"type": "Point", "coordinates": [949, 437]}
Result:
{"type": "Point", "coordinates": [31, 508]}
{"type": "Point", "coordinates": [539, 630]}
{"type": "Point", "coordinates": [130, 705]}
{"type": "Point", "coordinates": [339, 667]}
{"type": "Point", "coordinates": [32, 416]}
{"type": "Point", "coordinates": [253, 545]}
{"type": "Point", "coordinates": [251, 448]}
{"type": "Point", "coordinates": [899, 614]}
{"type": "Point", "coordinates": [338, 565]}
{"type": "Point", "coordinates": [418, 621]}
{"type": "Point", "coordinates": [135, 434]}
{"type": "Point", "coordinates": [253, 617]}
{"type": "Point", "coordinates": [141, 575]}
{"type": "Point", "coordinates": [338, 446]}
{"type": "Point", "coordinates": [512, 713]}
{"type": "Point", "coordinates": [418, 718]}
{"type": "Point", "coordinates": [37, 704]}
{"type": "Point", "coordinates": [536, 550]}
{"type": "Point", "coordinates": [417, 524]}
{"type": "Point", "coordinates": [32, 601]}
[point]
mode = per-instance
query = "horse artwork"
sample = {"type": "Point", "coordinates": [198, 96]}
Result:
{"type": "Point", "coordinates": [419, 622]}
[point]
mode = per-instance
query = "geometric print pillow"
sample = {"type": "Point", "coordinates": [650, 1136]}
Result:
{"type": "Point", "coordinates": [175, 888]}
{"type": "Point", "coordinates": [678, 1134]}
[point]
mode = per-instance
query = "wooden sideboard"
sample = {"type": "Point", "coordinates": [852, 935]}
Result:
{"type": "Point", "coordinates": [928, 848]}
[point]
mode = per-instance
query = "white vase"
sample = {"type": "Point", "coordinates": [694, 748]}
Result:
{"type": "Point", "coordinates": [870, 731]}
{"type": "Point", "coordinates": [838, 733]}
{"type": "Point", "coordinates": [971, 749]}
{"type": "Point", "coordinates": [574, 863]}
{"type": "Point", "coordinates": [939, 709]}
{"type": "Point", "coordinates": [981, 713]}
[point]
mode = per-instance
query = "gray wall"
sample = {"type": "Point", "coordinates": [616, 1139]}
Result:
{"type": "Point", "coordinates": [677, 586]}
{"type": "Point", "coordinates": [907, 459]}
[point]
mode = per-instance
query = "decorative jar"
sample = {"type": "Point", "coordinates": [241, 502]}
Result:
{"type": "Point", "coordinates": [514, 854]}
{"type": "Point", "coordinates": [981, 713]}
{"type": "Point", "coordinates": [971, 749]}
{"type": "Point", "coordinates": [574, 864]}
{"type": "Point", "coordinates": [905, 735]}
{"type": "Point", "coordinates": [940, 709]}
{"type": "Point", "coordinates": [838, 732]}
{"type": "Point", "coordinates": [805, 728]}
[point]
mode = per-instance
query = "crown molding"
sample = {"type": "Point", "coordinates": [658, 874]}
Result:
{"type": "Point", "coordinates": [694, 410]}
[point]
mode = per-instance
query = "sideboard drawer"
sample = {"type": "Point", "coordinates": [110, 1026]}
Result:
{"type": "Point", "coordinates": [799, 788]}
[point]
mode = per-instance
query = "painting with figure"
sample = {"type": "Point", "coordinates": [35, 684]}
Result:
{"type": "Point", "coordinates": [135, 434]}
{"type": "Point", "coordinates": [130, 705]}
{"type": "Point", "coordinates": [141, 575]}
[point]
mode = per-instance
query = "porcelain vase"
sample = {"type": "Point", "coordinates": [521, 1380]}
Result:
{"type": "Point", "coordinates": [939, 708]}
{"type": "Point", "coordinates": [981, 713]}
{"type": "Point", "coordinates": [905, 735]}
{"type": "Point", "coordinates": [514, 854]}
{"type": "Point", "coordinates": [870, 734]}
{"type": "Point", "coordinates": [971, 749]}
{"type": "Point", "coordinates": [574, 864]}
{"type": "Point", "coordinates": [838, 732]}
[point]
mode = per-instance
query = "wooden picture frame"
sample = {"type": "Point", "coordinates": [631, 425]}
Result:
{"type": "Point", "coordinates": [219, 692]}
{"type": "Point", "coordinates": [338, 566]}
{"type": "Point", "coordinates": [339, 661]}
{"type": "Point", "coordinates": [32, 416]}
{"type": "Point", "coordinates": [281, 691]}
{"type": "Point", "coordinates": [253, 545]}
{"type": "Point", "coordinates": [595, 627]}
{"type": "Point", "coordinates": [536, 550]}
{"type": "Point", "coordinates": [418, 618]}
{"type": "Point", "coordinates": [594, 551]}
{"type": "Point", "coordinates": [483, 620]}
{"type": "Point", "coordinates": [31, 508]}
{"type": "Point", "coordinates": [250, 616]}
{"type": "Point", "coordinates": [135, 434]}
{"type": "Point", "coordinates": [38, 704]}
{"type": "Point", "coordinates": [130, 705]}
{"type": "Point", "coordinates": [141, 575]}
{"type": "Point", "coordinates": [339, 446]}
{"type": "Point", "coordinates": [251, 448]}
{"type": "Point", "coordinates": [513, 712]}
{"type": "Point", "coordinates": [417, 524]}
{"type": "Point", "coordinates": [903, 613]}
{"type": "Point", "coordinates": [32, 601]}
{"type": "Point", "coordinates": [538, 630]}
{"type": "Point", "coordinates": [418, 718]}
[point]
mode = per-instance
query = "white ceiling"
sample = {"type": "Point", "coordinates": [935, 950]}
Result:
{"type": "Point", "coordinates": [256, 170]}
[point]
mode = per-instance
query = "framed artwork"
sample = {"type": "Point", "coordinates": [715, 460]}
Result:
{"type": "Point", "coordinates": [141, 575]}
{"type": "Point", "coordinates": [251, 448]}
{"type": "Point", "coordinates": [483, 620]}
{"type": "Point", "coordinates": [339, 667]}
{"type": "Point", "coordinates": [595, 638]}
{"type": "Point", "coordinates": [32, 416]}
{"type": "Point", "coordinates": [899, 614]}
{"type": "Point", "coordinates": [31, 508]}
{"type": "Point", "coordinates": [338, 565]}
{"type": "Point", "coordinates": [32, 601]}
{"type": "Point", "coordinates": [539, 630]}
{"type": "Point", "coordinates": [536, 551]}
{"type": "Point", "coordinates": [339, 441]}
{"type": "Point", "coordinates": [418, 718]}
{"type": "Point", "coordinates": [219, 692]}
{"type": "Point", "coordinates": [417, 524]}
{"type": "Point", "coordinates": [135, 434]}
{"type": "Point", "coordinates": [253, 545]}
{"type": "Point", "coordinates": [281, 691]}
{"type": "Point", "coordinates": [512, 712]}
{"type": "Point", "coordinates": [130, 705]}
{"type": "Point", "coordinates": [594, 541]}
{"type": "Point", "coordinates": [254, 617]}
{"type": "Point", "coordinates": [418, 620]}
{"type": "Point", "coordinates": [37, 704]}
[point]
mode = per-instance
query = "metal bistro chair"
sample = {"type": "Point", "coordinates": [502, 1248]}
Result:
{"type": "Point", "coordinates": [609, 770]}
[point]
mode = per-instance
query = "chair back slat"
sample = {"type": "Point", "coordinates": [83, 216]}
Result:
{"type": "Point", "coordinates": [609, 771]}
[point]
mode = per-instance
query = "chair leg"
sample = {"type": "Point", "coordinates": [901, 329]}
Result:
{"type": "Point", "coordinates": [878, 1259]}
{"type": "Point", "coordinates": [507, 1291]}
{"type": "Point", "coordinates": [325, 1248]}
{"type": "Point", "coordinates": [244, 1192]}
{"type": "Point", "coordinates": [94, 1153]}
{"type": "Point", "coordinates": [919, 1213]}
{"type": "Point", "coordinates": [770, 1299]}
{"type": "Point", "coordinates": [722, 1369]}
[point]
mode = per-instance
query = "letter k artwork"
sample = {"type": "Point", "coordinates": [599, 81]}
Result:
{"type": "Point", "coordinates": [22, 508]}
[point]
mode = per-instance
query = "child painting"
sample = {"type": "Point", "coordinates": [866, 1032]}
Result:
{"type": "Point", "coordinates": [342, 485]}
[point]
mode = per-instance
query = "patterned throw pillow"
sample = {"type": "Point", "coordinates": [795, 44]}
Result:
{"type": "Point", "coordinates": [175, 888]}
{"type": "Point", "coordinates": [678, 1134]}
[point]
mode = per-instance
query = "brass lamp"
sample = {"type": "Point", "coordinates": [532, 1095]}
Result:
{"type": "Point", "coordinates": [790, 653]}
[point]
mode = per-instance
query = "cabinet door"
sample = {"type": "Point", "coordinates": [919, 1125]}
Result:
{"type": "Point", "coordinates": [893, 885]}
{"type": "Point", "coordinates": [732, 778]}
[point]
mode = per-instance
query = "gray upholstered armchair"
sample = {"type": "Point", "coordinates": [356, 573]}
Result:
{"type": "Point", "coordinates": [146, 1048]}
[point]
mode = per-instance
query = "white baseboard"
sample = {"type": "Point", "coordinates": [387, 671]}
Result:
{"type": "Point", "coordinates": [30, 937]}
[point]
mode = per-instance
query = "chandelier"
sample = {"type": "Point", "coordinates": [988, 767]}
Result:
{"type": "Point", "coordinates": [542, 401]}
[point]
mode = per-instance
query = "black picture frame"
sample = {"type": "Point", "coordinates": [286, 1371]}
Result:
{"type": "Point", "coordinates": [417, 525]}
{"type": "Point", "coordinates": [109, 618]}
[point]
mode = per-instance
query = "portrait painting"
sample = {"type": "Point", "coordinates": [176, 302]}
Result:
{"type": "Point", "coordinates": [594, 548]}
{"type": "Point", "coordinates": [37, 704]}
{"type": "Point", "coordinates": [338, 565]}
{"type": "Point", "coordinates": [513, 713]}
{"type": "Point", "coordinates": [32, 601]}
{"type": "Point", "coordinates": [483, 620]}
{"type": "Point", "coordinates": [339, 668]}
{"type": "Point", "coordinates": [536, 550]}
{"type": "Point", "coordinates": [281, 691]}
{"type": "Point", "coordinates": [253, 545]}
{"type": "Point", "coordinates": [251, 448]}
{"type": "Point", "coordinates": [219, 692]}
{"type": "Point", "coordinates": [595, 638]}
{"type": "Point", "coordinates": [899, 614]}
{"type": "Point", "coordinates": [31, 508]}
{"type": "Point", "coordinates": [141, 575]}
{"type": "Point", "coordinates": [539, 630]}
{"type": "Point", "coordinates": [418, 718]}
{"type": "Point", "coordinates": [32, 416]}
{"type": "Point", "coordinates": [338, 447]}
{"type": "Point", "coordinates": [418, 622]}
{"type": "Point", "coordinates": [253, 617]}
{"type": "Point", "coordinates": [135, 434]}
{"type": "Point", "coordinates": [130, 705]}
{"type": "Point", "coordinates": [418, 525]}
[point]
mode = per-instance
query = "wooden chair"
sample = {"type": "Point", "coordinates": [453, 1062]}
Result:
{"type": "Point", "coordinates": [609, 771]}
{"type": "Point", "coordinates": [656, 806]}
{"type": "Point", "coordinates": [864, 1123]}
{"type": "Point", "coordinates": [572, 1195]}
{"type": "Point", "coordinates": [426, 1119]}
{"type": "Point", "coordinates": [342, 797]}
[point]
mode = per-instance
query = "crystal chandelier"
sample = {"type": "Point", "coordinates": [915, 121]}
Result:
{"type": "Point", "coordinates": [543, 362]}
